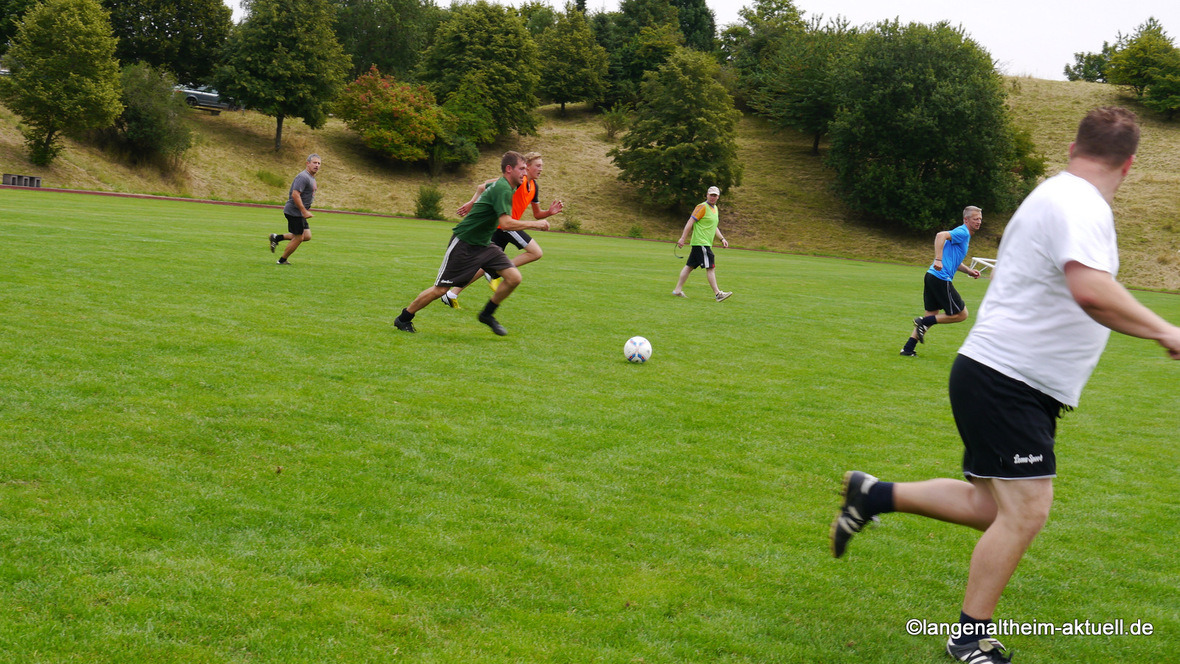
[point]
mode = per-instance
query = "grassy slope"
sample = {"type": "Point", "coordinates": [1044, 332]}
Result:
{"type": "Point", "coordinates": [785, 203]}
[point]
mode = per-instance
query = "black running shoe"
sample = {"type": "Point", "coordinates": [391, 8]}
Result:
{"type": "Point", "coordinates": [491, 322]}
{"type": "Point", "coordinates": [852, 513]}
{"type": "Point", "coordinates": [920, 329]}
{"type": "Point", "coordinates": [407, 326]}
{"type": "Point", "coordinates": [908, 353]}
{"type": "Point", "coordinates": [282, 261]}
{"type": "Point", "coordinates": [983, 651]}
{"type": "Point", "coordinates": [274, 242]}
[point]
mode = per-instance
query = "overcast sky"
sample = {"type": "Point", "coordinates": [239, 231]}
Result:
{"type": "Point", "coordinates": [1024, 37]}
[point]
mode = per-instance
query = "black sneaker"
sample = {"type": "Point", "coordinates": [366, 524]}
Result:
{"type": "Point", "coordinates": [407, 326]}
{"type": "Point", "coordinates": [920, 329]}
{"type": "Point", "coordinates": [491, 322]}
{"type": "Point", "coordinates": [852, 513]}
{"type": "Point", "coordinates": [908, 353]}
{"type": "Point", "coordinates": [282, 261]}
{"type": "Point", "coordinates": [274, 242]}
{"type": "Point", "coordinates": [983, 651]}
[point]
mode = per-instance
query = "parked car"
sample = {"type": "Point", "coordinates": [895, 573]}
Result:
{"type": "Point", "coordinates": [205, 97]}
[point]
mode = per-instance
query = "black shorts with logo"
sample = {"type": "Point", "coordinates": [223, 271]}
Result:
{"type": "Point", "coordinates": [502, 238]}
{"type": "Point", "coordinates": [296, 224]}
{"type": "Point", "coordinates": [700, 256]}
{"type": "Point", "coordinates": [939, 295]}
{"type": "Point", "coordinates": [463, 260]}
{"type": "Point", "coordinates": [1007, 426]}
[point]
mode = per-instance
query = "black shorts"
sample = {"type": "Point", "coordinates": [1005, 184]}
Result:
{"type": "Point", "coordinates": [296, 224]}
{"type": "Point", "coordinates": [463, 260]}
{"type": "Point", "coordinates": [700, 256]}
{"type": "Point", "coordinates": [941, 295]}
{"type": "Point", "coordinates": [502, 238]}
{"type": "Point", "coordinates": [1007, 426]}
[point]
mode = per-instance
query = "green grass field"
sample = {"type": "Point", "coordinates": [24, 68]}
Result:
{"type": "Point", "coordinates": [208, 458]}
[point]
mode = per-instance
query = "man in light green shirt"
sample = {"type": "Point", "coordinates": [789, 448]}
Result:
{"type": "Point", "coordinates": [702, 226]}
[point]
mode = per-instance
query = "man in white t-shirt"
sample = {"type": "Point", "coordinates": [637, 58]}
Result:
{"type": "Point", "coordinates": [1042, 327]}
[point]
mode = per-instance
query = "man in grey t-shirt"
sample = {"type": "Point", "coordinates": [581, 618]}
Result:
{"type": "Point", "coordinates": [298, 209]}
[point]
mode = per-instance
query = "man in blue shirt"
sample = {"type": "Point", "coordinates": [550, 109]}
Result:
{"type": "Point", "coordinates": [950, 248]}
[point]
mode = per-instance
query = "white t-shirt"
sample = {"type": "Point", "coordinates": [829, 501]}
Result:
{"type": "Point", "coordinates": [1029, 326]}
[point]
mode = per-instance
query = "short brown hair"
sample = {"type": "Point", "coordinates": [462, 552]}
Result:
{"type": "Point", "coordinates": [1109, 134]}
{"type": "Point", "coordinates": [530, 157]}
{"type": "Point", "coordinates": [510, 158]}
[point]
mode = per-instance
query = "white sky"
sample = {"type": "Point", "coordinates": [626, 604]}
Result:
{"type": "Point", "coordinates": [1025, 37]}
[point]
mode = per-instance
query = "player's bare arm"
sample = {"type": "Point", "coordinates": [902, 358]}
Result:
{"type": "Point", "coordinates": [687, 232]}
{"type": "Point", "coordinates": [298, 201]}
{"type": "Point", "coordinates": [717, 234]}
{"type": "Point", "coordinates": [507, 223]}
{"type": "Point", "coordinates": [466, 207]}
{"type": "Point", "coordinates": [554, 208]}
{"type": "Point", "coordinates": [1108, 302]}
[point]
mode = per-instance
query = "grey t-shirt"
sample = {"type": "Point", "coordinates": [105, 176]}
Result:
{"type": "Point", "coordinates": [305, 184]}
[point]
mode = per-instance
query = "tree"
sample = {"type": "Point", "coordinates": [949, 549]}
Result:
{"type": "Point", "coordinates": [641, 37]}
{"type": "Point", "coordinates": [1139, 61]}
{"type": "Point", "coordinates": [923, 129]}
{"type": "Point", "coordinates": [399, 120]}
{"type": "Point", "coordinates": [11, 13]}
{"type": "Point", "coordinates": [683, 139]}
{"type": "Point", "coordinates": [64, 77]}
{"type": "Point", "coordinates": [1092, 66]}
{"type": "Point", "coordinates": [697, 24]}
{"type": "Point", "coordinates": [284, 61]}
{"type": "Point", "coordinates": [573, 65]}
{"type": "Point", "coordinates": [151, 125]}
{"type": "Point", "coordinates": [491, 42]}
{"type": "Point", "coordinates": [184, 37]}
{"type": "Point", "coordinates": [1163, 94]}
{"type": "Point", "coordinates": [537, 16]}
{"type": "Point", "coordinates": [797, 86]}
{"type": "Point", "coordinates": [388, 34]}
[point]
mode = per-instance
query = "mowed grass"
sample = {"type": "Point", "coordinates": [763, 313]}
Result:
{"type": "Point", "coordinates": [208, 458]}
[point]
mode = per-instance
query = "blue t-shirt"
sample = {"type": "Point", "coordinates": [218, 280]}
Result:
{"type": "Point", "coordinates": [953, 253]}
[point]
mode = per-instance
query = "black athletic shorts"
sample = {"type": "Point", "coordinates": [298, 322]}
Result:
{"type": "Point", "coordinates": [296, 224]}
{"type": "Point", "coordinates": [1007, 426]}
{"type": "Point", "coordinates": [463, 260]}
{"type": "Point", "coordinates": [503, 238]}
{"type": "Point", "coordinates": [700, 256]}
{"type": "Point", "coordinates": [940, 295]}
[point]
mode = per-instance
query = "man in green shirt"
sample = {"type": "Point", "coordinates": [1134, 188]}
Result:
{"type": "Point", "coordinates": [471, 248]}
{"type": "Point", "coordinates": [702, 225]}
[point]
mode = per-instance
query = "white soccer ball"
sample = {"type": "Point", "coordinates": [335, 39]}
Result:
{"type": "Point", "coordinates": [637, 349]}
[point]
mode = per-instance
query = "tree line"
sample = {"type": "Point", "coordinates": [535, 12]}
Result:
{"type": "Point", "coordinates": [1146, 61]}
{"type": "Point", "coordinates": [915, 114]}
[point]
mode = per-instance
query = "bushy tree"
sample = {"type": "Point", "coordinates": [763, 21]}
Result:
{"type": "Point", "coordinates": [284, 61]}
{"type": "Point", "coordinates": [490, 43]}
{"type": "Point", "coordinates": [184, 37]}
{"type": "Point", "coordinates": [538, 17]}
{"type": "Point", "coordinates": [697, 24]}
{"type": "Point", "coordinates": [573, 65]}
{"type": "Point", "coordinates": [11, 14]}
{"type": "Point", "coordinates": [388, 34]}
{"type": "Point", "coordinates": [683, 139]}
{"type": "Point", "coordinates": [64, 76]}
{"type": "Point", "coordinates": [1163, 94]}
{"type": "Point", "coordinates": [923, 129]}
{"type": "Point", "coordinates": [151, 125]}
{"type": "Point", "coordinates": [763, 24]}
{"type": "Point", "coordinates": [399, 120]}
{"type": "Point", "coordinates": [797, 86]}
{"type": "Point", "coordinates": [1144, 57]}
{"type": "Point", "coordinates": [1091, 66]}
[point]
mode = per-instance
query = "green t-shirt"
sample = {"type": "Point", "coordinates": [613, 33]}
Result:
{"type": "Point", "coordinates": [705, 227]}
{"type": "Point", "coordinates": [479, 224]}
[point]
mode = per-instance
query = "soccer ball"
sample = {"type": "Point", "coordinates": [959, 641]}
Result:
{"type": "Point", "coordinates": [637, 349]}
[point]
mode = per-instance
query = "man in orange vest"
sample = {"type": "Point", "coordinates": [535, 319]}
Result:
{"type": "Point", "coordinates": [526, 195]}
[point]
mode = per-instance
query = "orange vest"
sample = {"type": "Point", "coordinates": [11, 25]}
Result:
{"type": "Point", "coordinates": [523, 197]}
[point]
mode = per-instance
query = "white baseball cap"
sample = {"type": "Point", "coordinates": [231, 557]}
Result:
{"type": "Point", "coordinates": [714, 190]}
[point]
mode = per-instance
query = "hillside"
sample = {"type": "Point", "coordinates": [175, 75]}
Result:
{"type": "Point", "coordinates": [784, 204]}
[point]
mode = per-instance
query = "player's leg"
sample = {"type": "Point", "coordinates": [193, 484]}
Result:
{"type": "Point", "coordinates": [1022, 509]}
{"type": "Point", "coordinates": [532, 252]}
{"type": "Point", "coordinates": [954, 501]}
{"type": "Point", "coordinates": [510, 279]}
{"type": "Point", "coordinates": [711, 275]}
{"type": "Point", "coordinates": [956, 310]}
{"type": "Point", "coordinates": [494, 261]}
{"type": "Point", "coordinates": [298, 232]}
{"type": "Point", "coordinates": [684, 272]}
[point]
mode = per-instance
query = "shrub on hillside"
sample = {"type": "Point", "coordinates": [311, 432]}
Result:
{"type": "Point", "coordinates": [399, 120]}
{"type": "Point", "coordinates": [151, 125]}
{"type": "Point", "coordinates": [429, 203]}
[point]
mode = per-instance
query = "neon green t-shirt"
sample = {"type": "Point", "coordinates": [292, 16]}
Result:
{"type": "Point", "coordinates": [705, 227]}
{"type": "Point", "coordinates": [479, 224]}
